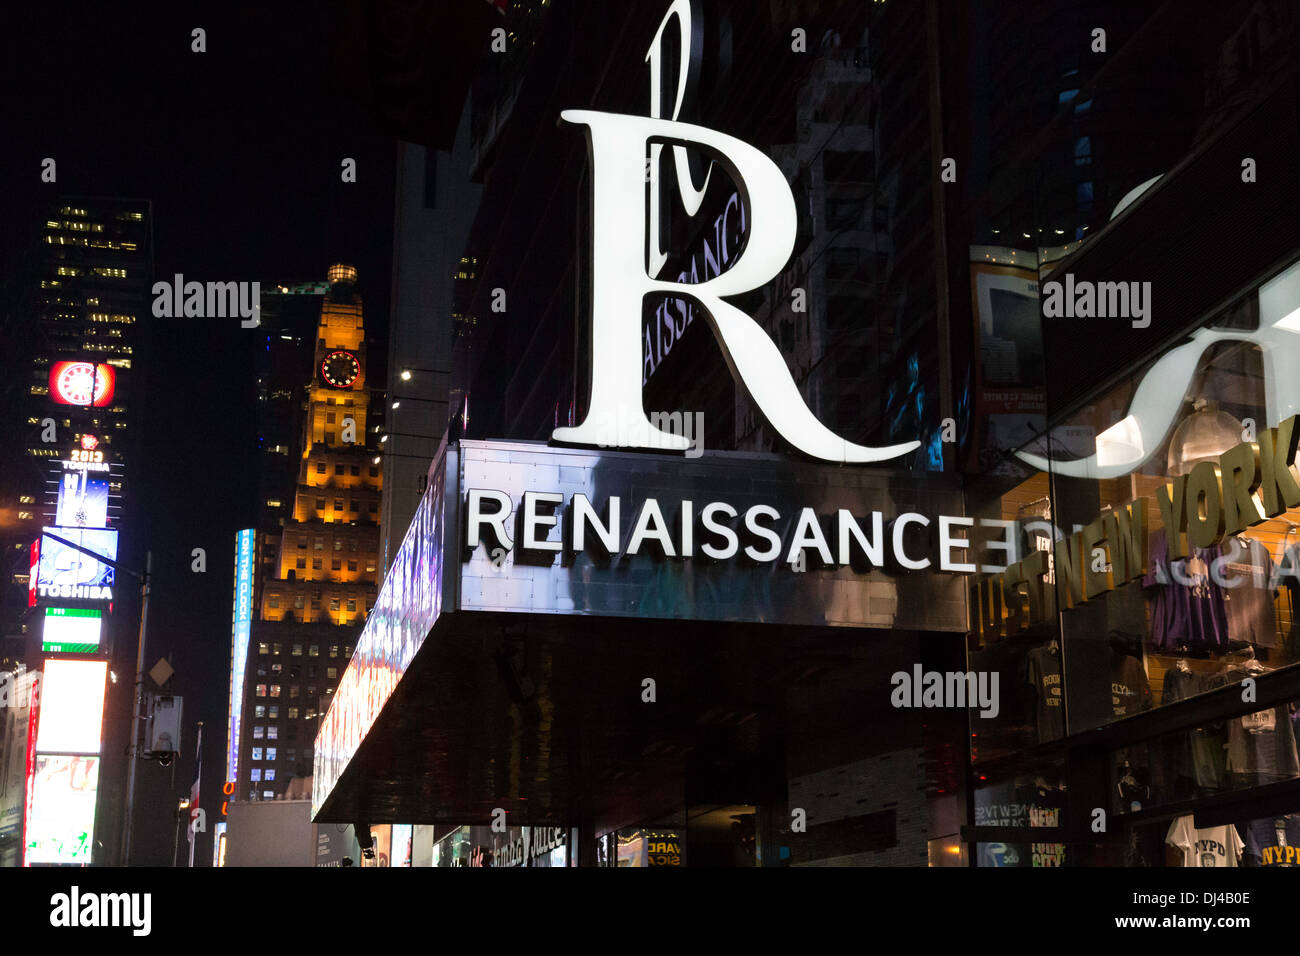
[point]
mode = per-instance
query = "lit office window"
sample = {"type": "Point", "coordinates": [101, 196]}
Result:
{"type": "Point", "coordinates": [259, 732]}
{"type": "Point", "coordinates": [257, 753]}
{"type": "Point", "coordinates": [263, 649]}
{"type": "Point", "coordinates": [261, 690]}
{"type": "Point", "coordinates": [270, 773]}
{"type": "Point", "coordinates": [275, 690]}
{"type": "Point", "coordinates": [255, 774]}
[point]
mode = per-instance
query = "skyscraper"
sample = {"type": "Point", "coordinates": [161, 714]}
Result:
{"type": "Point", "coordinates": [317, 572]}
{"type": "Point", "coordinates": [88, 304]}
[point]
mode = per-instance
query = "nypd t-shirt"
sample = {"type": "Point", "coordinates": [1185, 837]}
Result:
{"type": "Point", "coordinates": [1215, 846]}
{"type": "Point", "coordinates": [1273, 841]}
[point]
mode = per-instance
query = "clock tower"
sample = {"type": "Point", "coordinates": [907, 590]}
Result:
{"type": "Point", "coordinates": [327, 568]}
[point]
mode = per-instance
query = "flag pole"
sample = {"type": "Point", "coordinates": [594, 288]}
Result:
{"type": "Point", "coordinates": [195, 812]}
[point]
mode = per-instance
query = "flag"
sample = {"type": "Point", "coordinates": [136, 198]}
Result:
{"type": "Point", "coordinates": [194, 789]}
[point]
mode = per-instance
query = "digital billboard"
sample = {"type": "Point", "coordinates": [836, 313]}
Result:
{"type": "Point", "coordinates": [65, 572]}
{"type": "Point", "coordinates": [61, 823]}
{"type": "Point", "coordinates": [71, 630]}
{"type": "Point", "coordinates": [241, 622]}
{"type": "Point", "coordinates": [83, 500]}
{"type": "Point", "coordinates": [82, 383]}
{"type": "Point", "coordinates": [72, 706]}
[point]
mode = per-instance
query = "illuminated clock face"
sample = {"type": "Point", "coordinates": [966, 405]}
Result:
{"type": "Point", "coordinates": [340, 369]}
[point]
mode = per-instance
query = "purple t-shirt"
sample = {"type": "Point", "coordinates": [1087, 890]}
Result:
{"type": "Point", "coordinates": [1187, 607]}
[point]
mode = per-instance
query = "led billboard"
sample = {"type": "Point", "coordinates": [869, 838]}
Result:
{"type": "Point", "coordinates": [72, 706]}
{"type": "Point", "coordinates": [241, 618]}
{"type": "Point", "coordinates": [61, 824]}
{"type": "Point", "coordinates": [65, 572]}
{"type": "Point", "coordinates": [71, 630]}
{"type": "Point", "coordinates": [83, 500]}
{"type": "Point", "coordinates": [82, 383]}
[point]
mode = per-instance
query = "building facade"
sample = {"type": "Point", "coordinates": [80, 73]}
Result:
{"type": "Point", "coordinates": [317, 550]}
{"type": "Point", "coordinates": [1068, 595]}
{"type": "Point", "coordinates": [71, 617]}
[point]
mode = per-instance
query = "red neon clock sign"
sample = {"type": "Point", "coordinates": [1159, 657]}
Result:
{"type": "Point", "coordinates": [82, 383]}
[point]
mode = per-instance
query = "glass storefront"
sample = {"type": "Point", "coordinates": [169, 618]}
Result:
{"type": "Point", "coordinates": [1154, 565]}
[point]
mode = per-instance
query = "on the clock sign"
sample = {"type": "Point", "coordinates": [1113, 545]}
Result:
{"type": "Point", "coordinates": [340, 369]}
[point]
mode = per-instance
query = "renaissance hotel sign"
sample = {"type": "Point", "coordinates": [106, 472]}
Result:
{"type": "Point", "coordinates": [525, 528]}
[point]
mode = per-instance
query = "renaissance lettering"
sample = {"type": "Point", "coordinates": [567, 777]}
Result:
{"type": "Point", "coordinates": [542, 525]}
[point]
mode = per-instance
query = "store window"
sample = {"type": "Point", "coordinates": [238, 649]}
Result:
{"type": "Point", "coordinates": [1151, 550]}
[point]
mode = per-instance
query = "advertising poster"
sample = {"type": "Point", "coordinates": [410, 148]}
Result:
{"type": "Point", "coordinates": [1009, 400]}
{"type": "Point", "coordinates": [67, 572]}
{"type": "Point", "coordinates": [60, 829]}
{"type": "Point", "coordinates": [83, 500]}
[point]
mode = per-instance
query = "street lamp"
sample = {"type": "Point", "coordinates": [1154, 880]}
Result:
{"type": "Point", "coordinates": [181, 806]}
{"type": "Point", "coordinates": [406, 373]}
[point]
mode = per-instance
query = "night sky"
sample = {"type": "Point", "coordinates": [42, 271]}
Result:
{"type": "Point", "coordinates": [239, 149]}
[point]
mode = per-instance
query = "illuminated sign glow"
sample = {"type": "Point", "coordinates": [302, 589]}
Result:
{"type": "Point", "coordinates": [71, 630]}
{"type": "Point", "coordinates": [65, 572]}
{"type": "Point", "coordinates": [241, 619]}
{"type": "Point", "coordinates": [82, 383]}
{"type": "Point", "coordinates": [83, 500]}
{"type": "Point", "coordinates": [72, 706]}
